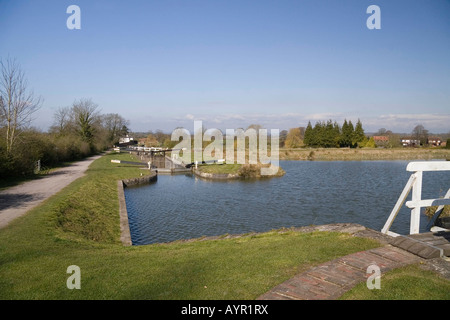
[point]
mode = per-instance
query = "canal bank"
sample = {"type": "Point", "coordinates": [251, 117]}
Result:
{"type": "Point", "coordinates": [125, 236]}
{"type": "Point", "coordinates": [310, 193]}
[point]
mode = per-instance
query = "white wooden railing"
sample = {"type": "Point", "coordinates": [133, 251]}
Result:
{"type": "Point", "coordinates": [416, 203]}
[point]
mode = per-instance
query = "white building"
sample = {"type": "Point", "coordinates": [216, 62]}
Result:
{"type": "Point", "coordinates": [410, 142]}
{"type": "Point", "coordinates": [126, 139]}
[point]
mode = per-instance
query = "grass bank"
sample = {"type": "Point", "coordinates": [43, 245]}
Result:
{"type": "Point", "coordinates": [343, 154]}
{"type": "Point", "coordinates": [408, 283]}
{"type": "Point", "coordinates": [80, 226]}
{"type": "Point", "coordinates": [239, 170]}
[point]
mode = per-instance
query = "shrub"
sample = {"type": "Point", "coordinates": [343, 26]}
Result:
{"type": "Point", "coordinates": [249, 171]}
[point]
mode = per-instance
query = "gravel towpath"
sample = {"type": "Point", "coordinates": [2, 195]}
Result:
{"type": "Point", "coordinates": [17, 200]}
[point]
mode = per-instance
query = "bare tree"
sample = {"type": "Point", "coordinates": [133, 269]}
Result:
{"type": "Point", "coordinates": [115, 125]}
{"type": "Point", "coordinates": [17, 103]}
{"type": "Point", "coordinates": [62, 120]}
{"type": "Point", "coordinates": [85, 115]}
{"type": "Point", "coordinates": [421, 134]}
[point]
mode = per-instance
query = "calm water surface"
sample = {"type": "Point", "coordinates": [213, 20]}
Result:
{"type": "Point", "coordinates": [312, 192]}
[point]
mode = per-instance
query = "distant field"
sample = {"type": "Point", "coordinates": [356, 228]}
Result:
{"type": "Point", "coordinates": [342, 154]}
{"type": "Point", "coordinates": [330, 154]}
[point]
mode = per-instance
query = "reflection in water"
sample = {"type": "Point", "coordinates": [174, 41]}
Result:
{"type": "Point", "coordinates": [184, 206]}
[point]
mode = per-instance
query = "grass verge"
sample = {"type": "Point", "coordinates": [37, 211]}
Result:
{"type": "Point", "coordinates": [407, 283]}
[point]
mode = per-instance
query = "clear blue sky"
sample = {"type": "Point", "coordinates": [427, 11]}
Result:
{"type": "Point", "coordinates": [230, 63]}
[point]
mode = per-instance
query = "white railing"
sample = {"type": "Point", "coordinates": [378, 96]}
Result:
{"type": "Point", "coordinates": [416, 203]}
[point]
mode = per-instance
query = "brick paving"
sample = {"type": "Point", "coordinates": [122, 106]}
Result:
{"type": "Point", "coordinates": [427, 245]}
{"type": "Point", "coordinates": [330, 280]}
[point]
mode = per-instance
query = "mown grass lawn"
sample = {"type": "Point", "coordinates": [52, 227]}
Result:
{"type": "Point", "coordinates": [80, 226]}
{"type": "Point", "coordinates": [220, 168]}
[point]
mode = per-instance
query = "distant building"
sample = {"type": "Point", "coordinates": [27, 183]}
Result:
{"type": "Point", "coordinates": [381, 140]}
{"type": "Point", "coordinates": [434, 141]}
{"type": "Point", "coordinates": [409, 142]}
{"type": "Point", "coordinates": [126, 141]}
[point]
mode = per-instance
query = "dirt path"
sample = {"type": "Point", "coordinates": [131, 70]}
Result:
{"type": "Point", "coordinates": [17, 200]}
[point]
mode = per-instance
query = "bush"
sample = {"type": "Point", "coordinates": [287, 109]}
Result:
{"type": "Point", "coordinates": [70, 148]}
{"type": "Point", "coordinates": [370, 143]}
{"type": "Point", "coordinates": [50, 149]}
{"type": "Point", "coordinates": [249, 171]}
{"type": "Point", "coordinates": [6, 163]}
{"type": "Point", "coordinates": [254, 171]}
{"type": "Point", "coordinates": [28, 149]}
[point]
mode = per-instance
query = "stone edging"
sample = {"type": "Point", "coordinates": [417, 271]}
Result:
{"type": "Point", "coordinates": [125, 235]}
{"type": "Point", "coordinates": [216, 176]}
{"type": "Point", "coordinates": [140, 180]}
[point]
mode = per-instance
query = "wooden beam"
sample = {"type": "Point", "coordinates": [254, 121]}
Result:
{"type": "Point", "coordinates": [427, 203]}
{"type": "Point", "coordinates": [416, 195]}
{"type": "Point", "coordinates": [438, 212]}
{"type": "Point", "coordinates": [399, 204]}
{"type": "Point", "coordinates": [428, 166]}
{"type": "Point", "coordinates": [129, 162]}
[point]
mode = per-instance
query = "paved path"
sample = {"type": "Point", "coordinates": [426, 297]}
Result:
{"type": "Point", "coordinates": [17, 200]}
{"type": "Point", "coordinates": [332, 279]}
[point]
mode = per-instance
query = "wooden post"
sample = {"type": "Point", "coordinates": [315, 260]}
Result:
{"type": "Point", "coordinates": [416, 196]}
{"type": "Point", "coordinates": [438, 212]}
{"type": "Point", "coordinates": [37, 167]}
{"type": "Point", "coordinates": [416, 203]}
{"type": "Point", "coordinates": [399, 204]}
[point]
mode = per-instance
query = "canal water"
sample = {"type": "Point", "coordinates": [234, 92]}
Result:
{"type": "Point", "coordinates": [311, 193]}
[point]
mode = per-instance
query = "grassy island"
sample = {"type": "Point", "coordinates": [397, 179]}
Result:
{"type": "Point", "coordinates": [235, 171]}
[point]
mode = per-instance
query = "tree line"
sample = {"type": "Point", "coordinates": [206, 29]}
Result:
{"type": "Point", "coordinates": [323, 134]}
{"type": "Point", "coordinates": [327, 134]}
{"type": "Point", "coordinates": [78, 130]}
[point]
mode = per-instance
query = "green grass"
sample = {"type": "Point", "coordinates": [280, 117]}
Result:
{"type": "Point", "coordinates": [220, 168]}
{"type": "Point", "coordinates": [407, 283]}
{"type": "Point", "coordinates": [242, 170]}
{"type": "Point", "coordinates": [220, 269]}
{"type": "Point", "coordinates": [80, 226]}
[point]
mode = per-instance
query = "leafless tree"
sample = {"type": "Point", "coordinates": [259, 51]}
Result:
{"type": "Point", "coordinates": [86, 116]}
{"type": "Point", "coordinates": [17, 103]}
{"type": "Point", "coordinates": [115, 125]}
{"type": "Point", "coordinates": [62, 120]}
{"type": "Point", "coordinates": [421, 134]}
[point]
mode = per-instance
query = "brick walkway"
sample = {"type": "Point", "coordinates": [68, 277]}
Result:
{"type": "Point", "coordinates": [332, 279]}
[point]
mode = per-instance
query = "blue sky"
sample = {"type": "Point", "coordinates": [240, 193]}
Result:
{"type": "Point", "coordinates": [231, 63]}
